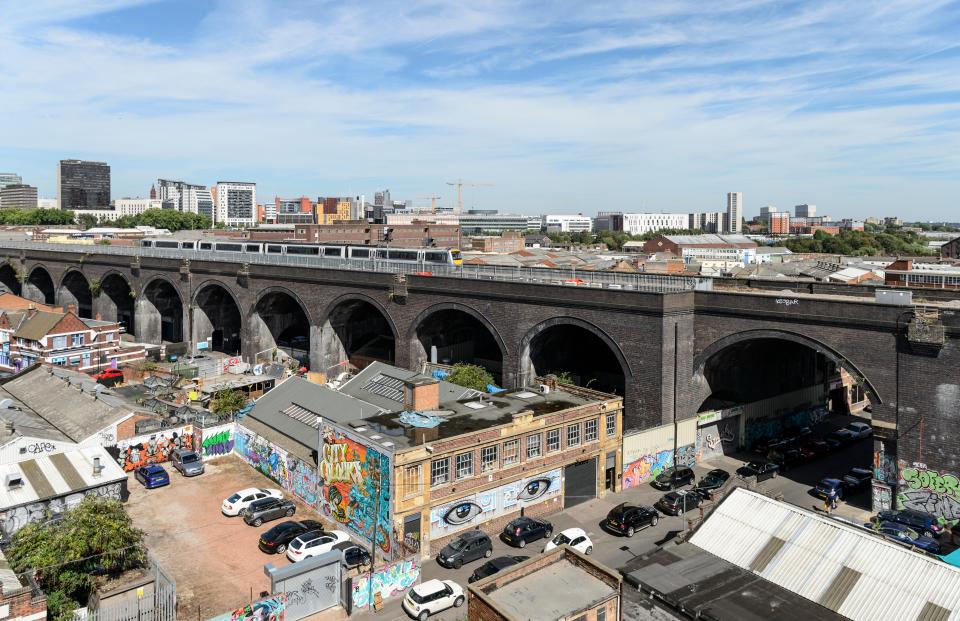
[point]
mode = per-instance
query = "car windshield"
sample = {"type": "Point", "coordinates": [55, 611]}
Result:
{"type": "Point", "coordinates": [297, 544]}
{"type": "Point", "coordinates": [190, 458]}
{"type": "Point", "coordinates": [561, 539]}
{"type": "Point", "coordinates": [416, 596]}
{"type": "Point", "coordinates": [234, 498]}
{"type": "Point", "coordinates": [755, 465]}
{"type": "Point", "coordinates": [457, 544]}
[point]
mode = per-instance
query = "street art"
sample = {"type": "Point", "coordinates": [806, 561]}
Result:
{"type": "Point", "coordinates": [350, 479]}
{"type": "Point", "coordinates": [14, 519]}
{"type": "Point", "coordinates": [881, 497]}
{"type": "Point", "coordinates": [292, 474]}
{"type": "Point", "coordinates": [302, 480]}
{"type": "Point", "coordinates": [923, 489]}
{"type": "Point", "coordinates": [153, 448]}
{"type": "Point", "coordinates": [269, 609]}
{"type": "Point", "coordinates": [715, 439]}
{"type": "Point", "coordinates": [480, 507]}
{"type": "Point", "coordinates": [217, 441]}
{"type": "Point", "coordinates": [650, 466]}
{"type": "Point", "coordinates": [884, 466]}
{"type": "Point", "coordinates": [761, 428]}
{"type": "Point", "coordinates": [391, 580]}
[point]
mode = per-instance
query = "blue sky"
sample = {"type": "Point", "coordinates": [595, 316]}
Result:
{"type": "Point", "coordinates": [562, 106]}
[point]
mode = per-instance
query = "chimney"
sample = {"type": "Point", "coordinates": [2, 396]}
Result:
{"type": "Point", "coordinates": [72, 308]}
{"type": "Point", "coordinates": [31, 310]}
{"type": "Point", "coordinates": [421, 394]}
{"type": "Point", "coordinates": [98, 317]}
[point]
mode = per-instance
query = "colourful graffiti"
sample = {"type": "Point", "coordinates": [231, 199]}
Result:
{"type": "Point", "coordinates": [154, 448]}
{"type": "Point", "coordinates": [649, 466]}
{"type": "Point", "coordinates": [292, 474]}
{"type": "Point", "coordinates": [391, 580]}
{"type": "Point", "coordinates": [350, 478]}
{"type": "Point", "coordinates": [716, 438]}
{"type": "Point", "coordinates": [216, 442]}
{"type": "Point", "coordinates": [269, 609]}
{"type": "Point", "coordinates": [923, 489]}
{"type": "Point", "coordinates": [884, 466]}
{"type": "Point", "coordinates": [302, 480]}
{"type": "Point", "coordinates": [467, 512]}
{"type": "Point", "coordinates": [761, 428]}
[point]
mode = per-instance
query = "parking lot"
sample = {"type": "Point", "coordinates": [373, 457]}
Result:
{"type": "Point", "coordinates": [213, 558]}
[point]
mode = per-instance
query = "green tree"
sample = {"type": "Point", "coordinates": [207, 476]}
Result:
{"type": "Point", "coordinates": [87, 221]}
{"type": "Point", "coordinates": [95, 537]}
{"type": "Point", "coordinates": [470, 376]}
{"type": "Point", "coordinates": [228, 402]}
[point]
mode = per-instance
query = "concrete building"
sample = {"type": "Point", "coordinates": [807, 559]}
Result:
{"type": "Point", "coordinates": [288, 211]}
{"type": "Point", "coordinates": [83, 185]}
{"type": "Point", "coordinates": [186, 197]}
{"type": "Point", "coordinates": [765, 212]}
{"type": "Point", "coordinates": [907, 273]}
{"type": "Point", "coordinates": [561, 584]}
{"type": "Point", "coordinates": [511, 241]}
{"type": "Point", "coordinates": [893, 221]}
{"type": "Point", "coordinates": [779, 223]}
{"type": "Point", "coordinates": [10, 179]}
{"type": "Point", "coordinates": [609, 221]}
{"type": "Point", "coordinates": [564, 223]}
{"type": "Point", "coordinates": [734, 212]}
{"type": "Point", "coordinates": [851, 224]}
{"type": "Point", "coordinates": [18, 196]}
{"type": "Point", "coordinates": [640, 223]}
{"type": "Point", "coordinates": [480, 221]}
{"type": "Point", "coordinates": [135, 206]}
{"type": "Point", "coordinates": [708, 222]}
{"type": "Point", "coordinates": [236, 203]}
{"type": "Point", "coordinates": [534, 223]}
{"type": "Point", "coordinates": [729, 250]}
{"type": "Point", "coordinates": [805, 210]}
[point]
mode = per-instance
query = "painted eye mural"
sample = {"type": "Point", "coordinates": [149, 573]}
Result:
{"type": "Point", "coordinates": [534, 488]}
{"type": "Point", "coordinates": [461, 513]}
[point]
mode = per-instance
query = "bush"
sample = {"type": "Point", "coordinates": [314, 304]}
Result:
{"type": "Point", "coordinates": [470, 376]}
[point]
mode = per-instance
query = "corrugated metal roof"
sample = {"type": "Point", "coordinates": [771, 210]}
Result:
{"type": "Point", "coordinates": [53, 476]}
{"type": "Point", "coordinates": [895, 583]}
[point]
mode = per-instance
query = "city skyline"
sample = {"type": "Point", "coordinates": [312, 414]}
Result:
{"type": "Point", "coordinates": [665, 109]}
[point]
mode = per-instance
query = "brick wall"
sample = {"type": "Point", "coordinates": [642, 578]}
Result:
{"type": "Point", "coordinates": [23, 604]}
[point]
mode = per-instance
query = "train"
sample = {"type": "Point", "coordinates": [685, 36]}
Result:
{"type": "Point", "coordinates": [430, 256]}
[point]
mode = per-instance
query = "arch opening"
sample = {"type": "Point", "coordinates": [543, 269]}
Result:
{"type": "Point", "coordinates": [451, 335]}
{"type": "Point", "coordinates": [75, 290]}
{"type": "Point", "coordinates": [39, 287]}
{"type": "Point", "coordinates": [279, 321]}
{"type": "Point", "coordinates": [216, 319]}
{"type": "Point", "coordinates": [10, 279]}
{"type": "Point", "coordinates": [116, 302]}
{"type": "Point", "coordinates": [159, 313]}
{"type": "Point", "coordinates": [355, 334]}
{"type": "Point", "coordinates": [578, 353]}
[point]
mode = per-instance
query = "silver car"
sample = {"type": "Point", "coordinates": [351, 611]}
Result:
{"type": "Point", "coordinates": [187, 462]}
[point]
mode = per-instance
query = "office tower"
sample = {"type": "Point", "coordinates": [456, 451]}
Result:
{"type": "Point", "coordinates": [805, 211]}
{"type": "Point", "coordinates": [186, 197]}
{"type": "Point", "coordinates": [18, 196]}
{"type": "Point", "coordinates": [83, 185]}
{"type": "Point", "coordinates": [236, 203]}
{"type": "Point", "coordinates": [10, 179]}
{"type": "Point", "coordinates": [734, 211]}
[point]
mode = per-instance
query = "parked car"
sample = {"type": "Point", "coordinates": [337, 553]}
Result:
{"type": "Point", "coordinates": [268, 509]}
{"type": "Point", "coordinates": [109, 377]}
{"type": "Point", "coordinates": [493, 566]}
{"type": "Point", "coordinates": [353, 555]}
{"type": "Point", "coordinates": [762, 470]}
{"type": "Point", "coordinates": [796, 434]}
{"type": "Point", "coordinates": [187, 462]}
{"type": "Point", "coordinates": [628, 519]}
{"type": "Point", "coordinates": [239, 501]}
{"type": "Point", "coordinates": [857, 479]}
{"type": "Point", "coordinates": [813, 447]}
{"type": "Point", "coordinates": [763, 445]}
{"type": "Point", "coordinates": [823, 488]}
{"type": "Point", "coordinates": [860, 430]}
{"type": "Point", "coordinates": [785, 457]}
{"type": "Point", "coordinates": [672, 478]}
{"type": "Point", "coordinates": [711, 482]}
{"type": "Point", "coordinates": [431, 597]}
{"type": "Point", "coordinates": [523, 530]}
{"type": "Point", "coordinates": [576, 538]}
{"type": "Point", "coordinates": [315, 543]}
{"type": "Point", "coordinates": [152, 476]}
{"type": "Point", "coordinates": [906, 535]}
{"type": "Point", "coordinates": [840, 438]}
{"type": "Point", "coordinates": [923, 523]}
{"type": "Point", "coordinates": [276, 540]}
{"type": "Point", "coordinates": [467, 547]}
{"type": "Point", "coordinates": [679, 502]}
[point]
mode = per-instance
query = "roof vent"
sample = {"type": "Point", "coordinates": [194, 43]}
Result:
{"type": "Point", "coordinates": [5, 404]}
{"type": "Point", "coordinates": [14, 480]}
{"type": "Point", "coordinates": [97, 467]}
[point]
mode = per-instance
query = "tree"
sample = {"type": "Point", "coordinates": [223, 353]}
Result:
{"type": "Point", "coordinates": [228, 402]}
{"type": "Point", "coordinates": [96, 537]}
{"type": "Point", "coordinates": [470, 376]}
{"type": "Point", "coordinates": [87, 221]}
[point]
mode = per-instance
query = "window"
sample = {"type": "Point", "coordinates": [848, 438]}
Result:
{"type": "Point", "coordinates": [464, 465]}
{"type": "Point", "coordinates": [108, 337]}
{"type": "Point", "coordinates": [77, 340]}
{"type": "Point", "coordinates": [573, 435]}
{"type": "Point", "coordinates": [488, 458]}
{"type": "Point", "coordinates": [411, 480]}
{"type": "Point", "coordinates": [553, 440]}
{"type": "Point", "coordinates": [601, 614]}
{"type": "Point", "coordinates": [440, 471]}
{"type": "Point", "coordinates": [590, 430]}
{"type": "Point", "coordinates": [511, 452]}
{"type": "Point", "coordinates": [533, 445]}
{"type": "Point", "coordinates": [611, 425]}
{"type": "Point", "coordinates": [59, 342]}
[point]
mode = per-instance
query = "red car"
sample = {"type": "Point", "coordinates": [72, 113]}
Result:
{"type": "Point", "coordinates": [109, 376]}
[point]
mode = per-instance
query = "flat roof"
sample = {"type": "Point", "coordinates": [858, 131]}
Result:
{"type": "Point", "coordinates": [555, 591]}
{"type": "Point", "coordinates": [56, 475]}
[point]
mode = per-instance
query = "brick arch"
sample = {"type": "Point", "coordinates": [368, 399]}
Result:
{"type": "Point", "coordinates": [33, 285]}
{"type": "Point", "coordinates": [419, 354]}
{"type": "Point", "coordinates": [335, 346]}
{"type": "Point", "coordinates": [262, 293]}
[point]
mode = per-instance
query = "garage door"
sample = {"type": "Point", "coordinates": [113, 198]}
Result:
{"type": "Point", "coordinates": [580, 482]}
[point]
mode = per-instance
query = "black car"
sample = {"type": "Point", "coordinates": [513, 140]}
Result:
{"type": "Point", "coordinates": [678, 502]}
{"type": "Point", "coordinates": [267, 509]}
{"type": "Point", "coordinates": [856, 480]}
{"type": "Point", "coordinates": [762, 470]}
{"type": "Point", "coordinates": [672, 478]}
{"type": "Point", "coordinates": [923, 523]}
{"type": "Point", "coordinates": [275, 540]}
{"type": "Point", "coordinates": [763, 445]}
{"type": "Point", "coordinates": [785, 457]}
{"type": "Point", "coordinates": [494, 565]}
{"type": "Point", "coordinates": [840, 438]}
{"type": "Point", "coordinates": [353, 555]}
{"type": "Point", "coordinates": [521, 531]}
{"type": "Point", "coordinates": [711, 482]}
{"type": "Point", "coordinates": [469, 546]}
{"type": "Point", "coordinates": [627, 519]}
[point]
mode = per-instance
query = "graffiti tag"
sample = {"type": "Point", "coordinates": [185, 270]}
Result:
{"type": "Point", "coordinates": [218, 444]}
{"type": "Point", "coordinates": [269, 609]}
{"type": "Point", "coordinates": [389, 581]}
{"type": "Point", "coordinates": [41, 447]}
{"type": "Point", "coordinates": [933, 481]}
{"type": "Point", "coordinates": [788, 301]}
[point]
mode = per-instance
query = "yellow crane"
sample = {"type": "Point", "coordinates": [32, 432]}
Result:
{"type": "Point", "coordinates": [460, 183]}
{"type": "Point", "coordinates": [433, 201]}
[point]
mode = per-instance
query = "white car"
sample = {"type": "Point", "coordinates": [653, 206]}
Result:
{"type": "Point", "coordinates": [860, 430]}
{"type": "Point", "coordinates": [314, 543]}
{"type": "Point", "coordinates": [241, 500]}
{"type": "Point", "coordinates": [431, 597]}
{"type": "Point", "coordinates": [573, 537]}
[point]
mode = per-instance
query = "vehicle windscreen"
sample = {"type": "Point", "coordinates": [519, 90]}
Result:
{"type": "Point", "coordinates": [416, 597]}
{"type": "Point", "coordinates": [457, 544]}
{"type": "Point", "coordinates": [561, 539]}
{"type": "Point", "coordinates": [234, 498]}
{"type": "Point", "coordinates": [189, 458]}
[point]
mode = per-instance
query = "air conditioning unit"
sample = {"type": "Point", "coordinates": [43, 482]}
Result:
{"type": "Point", "coordinates": [14, 480]}
{"type": "Point", "coordinates": [544, 388]}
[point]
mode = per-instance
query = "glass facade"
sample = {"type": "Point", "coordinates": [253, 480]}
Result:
{"type": "Point", "coordinates": [83, 185]}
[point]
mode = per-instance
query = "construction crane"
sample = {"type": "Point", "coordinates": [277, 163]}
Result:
{"type": "Point", "coordinates": [460, 183]}
{"type": "Point", "coordinates": [433, 202]}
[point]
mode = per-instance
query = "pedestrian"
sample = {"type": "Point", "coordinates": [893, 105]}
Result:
{"type": "Point", "coordinates": [830, 501]}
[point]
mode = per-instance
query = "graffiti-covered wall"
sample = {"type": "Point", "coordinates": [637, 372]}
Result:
{"type": "Point", "coordinates": [271, 608]}
{"type": "Point", "coordinates": [648, 453]}
{"type": "Point", "coordinates": [390, 581]}
{"type": "Point", "coordinates": [480, 507]}
{"type": "Point", "coordinates": [290, 472]}
{"type": "Point", "coordinates": [16, 518]}
{"type": "Point", "coordinates": [216, 441]}
{"type": "Point", "coordinates": [351, 474]}
{"type": "Point", "coordinates": [924, 489]}
{"type": "Point", "coordinates": [717, 438]}
{"type": "Point", "coordinates": [153, 448]}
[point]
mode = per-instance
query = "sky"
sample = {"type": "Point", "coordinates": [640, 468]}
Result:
{"type": "Point", "coordinates": [556, 107]}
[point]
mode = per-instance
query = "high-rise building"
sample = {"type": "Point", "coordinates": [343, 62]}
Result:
{"type": "Point", "coordinates": [709, 222]}
{"type": "Point", "coordinates": [18, 196]}
{"type": "Point", "coordinates": [186, 197]}
{"type": "Point", "coordinates": [765, 212]}
{"type": "Point", "coordinates": [10, 179]}
{"type": "Point", "coordinates": [805, 211]}
{"type": "Point", "coordinates": [291, 211]}
{"type": "Point", "coordinates": [83, 185]}
{"type": "Point", "coordinates": [779, 222]}
{"type": "Point", "coordinates": [734, 212]}
{"type": "Point", "coordinates": [236, 203]}
{"type": "Point", "coordinates": [564, 223]}
{"type": "Point", "coordinates": [640, 223]}
{"type": "Point", "coordinates": [382, 199]}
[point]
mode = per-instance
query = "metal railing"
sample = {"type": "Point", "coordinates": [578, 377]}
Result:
{"type": "Point", "coordinates": [570, 277]}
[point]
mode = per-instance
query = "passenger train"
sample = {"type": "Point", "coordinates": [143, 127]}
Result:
{"type": "Point", "coordinates": [434, 256]}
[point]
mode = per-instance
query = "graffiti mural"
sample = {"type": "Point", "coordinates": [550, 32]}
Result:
{"type": "Point", "coordinates": [923, 489]}
{"type": "Point", "coordinates": [649, 466]}
{"type": "Point", "coordinates": [217, 441]}
{"type": "Point", "coordinates": [268, 609]}
{"type": "Point", "coordinates": [716, 439]}
{"type": "Point", "coordinates": [153, 448]}
{"type": "Point", "coordinates": [761, 428]}
{"type": "Point", "coordinates": [480, 507]}
{"type": "Point", "coordinates": [14, 519]}
{"type": "Point", "coordinates": [881, 497]}
{"type": "Point", "coordinates": [390, 581]}
{"type": "Point", "coordinates": [884, 464]}
{"type": "Point", "coordinates": [292, 474]}
{"type": "Point", "coordinates": [350, 479]}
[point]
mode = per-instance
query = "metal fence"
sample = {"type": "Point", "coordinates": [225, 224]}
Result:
{"type": "Point", "coordinates": [650, 283]}
{"type": "Point", "coordinates": [154, 602]}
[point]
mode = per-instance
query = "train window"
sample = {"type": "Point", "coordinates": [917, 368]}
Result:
{"type": "Point", "coordinates": [166, 244]}
{"type": "Point", "coordinates": [402, 255]}
{"type": "Point", "coordinates": [230, 247]}
{"type": "Point", "coordinates": [360, 253]}
{"type": "Point", "coordinates": [253, 247]}
{"type": "Point", "coordinates": [333, 252]}
{"type": "Point", "coordinates": [436, 257]}
{"type": "Point", "coordinates": [146, 243]}
{"type": "Point", "coordinates": [274, 249]}
{"type": "Point", "coordinates": [206, 246]}
{"type": "Point", "coordinates": [188, 245]}
{"type": "Point", "coordinates": [292, 249]}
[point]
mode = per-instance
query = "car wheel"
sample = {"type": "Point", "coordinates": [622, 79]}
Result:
{"type": "Point", "coordinates": [281, 548]}
{"type": "Point", "coordinates": [423, 616]}
{"type": "Point", "coordinates": [588, 551]}
{"type": "Point", "coordinates": [258, 522]}
{"type": "Point", "coordinates": [547, 533]}
{"type": "Point", "coordinates": [458, 602]}
{"type": "Point", "coordinates": [457, 564]}
{"type": "Point", "coordinates": [488, 553]}
{"type": "Point", "coordinates": [630, 531]}
{"type": "Point", "coordinates": [289, 512]}
{"type": "Point", "coordinates": [654, 520]}
{"type": "Point", "coordinates": [521, 543]}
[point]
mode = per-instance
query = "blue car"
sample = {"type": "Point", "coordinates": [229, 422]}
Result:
{"type": "Point", "coordinates": [907, 536]}
{"type": "Point", "coordinates": [822, 489]}
{"type": "Point", "coordinates": [152, 476]}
